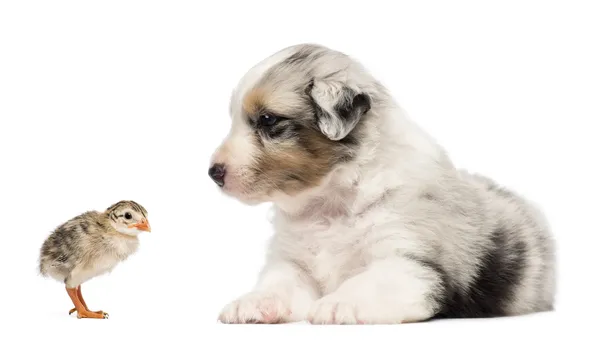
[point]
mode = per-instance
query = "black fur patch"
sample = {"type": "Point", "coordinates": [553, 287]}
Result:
{"type": "Point", "coordinates": [492, 289]}
{"type": "Point", "coordinates": [349, 111]}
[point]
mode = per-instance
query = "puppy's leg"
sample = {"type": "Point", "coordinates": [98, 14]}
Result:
{"type": "Point", "coordinates": [390, 291]}
{"type": "Point", "coordinates": [283, 294]}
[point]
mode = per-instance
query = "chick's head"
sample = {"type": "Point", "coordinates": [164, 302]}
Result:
{"type": "Point", "coordinates": [128, 217]}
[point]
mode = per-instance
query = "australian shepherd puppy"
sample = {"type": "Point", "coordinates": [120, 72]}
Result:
{"type": "Point", "coordinates": [373, 223]}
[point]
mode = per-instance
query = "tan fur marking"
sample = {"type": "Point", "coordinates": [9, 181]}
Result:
{"type": "Point", "coordinates": [254, 100]}
{"type": "Point", "coordinates": [291, 168]}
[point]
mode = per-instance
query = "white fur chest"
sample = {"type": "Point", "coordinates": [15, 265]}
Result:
{"type": "Point", "coordinates": [330, 251]}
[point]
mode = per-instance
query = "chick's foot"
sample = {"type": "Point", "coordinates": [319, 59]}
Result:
{"type": "Point", "coordinates": [75, 309]}
{"type": "Point", "coordinates": [90, 314]}
{"type": "Point", "coordinates": [81, 308]}
{"type": "Point", "coordinates": [82, 301]}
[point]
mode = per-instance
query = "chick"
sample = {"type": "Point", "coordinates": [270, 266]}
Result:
{"type": "Point", "coordinates": [89, 245]}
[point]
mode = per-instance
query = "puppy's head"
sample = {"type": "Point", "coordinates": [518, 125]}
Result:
{"type": "Point", "coordinates": [295, 117]}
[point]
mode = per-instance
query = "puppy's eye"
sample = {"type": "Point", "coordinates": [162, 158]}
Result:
{"type": "Point", "coordinates": [128, 216]}
{"type": "Point", "coordinates": [267, 120]}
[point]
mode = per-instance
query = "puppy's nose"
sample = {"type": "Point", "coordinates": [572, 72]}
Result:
{"type": "Point", "coordinates": [217, 173]}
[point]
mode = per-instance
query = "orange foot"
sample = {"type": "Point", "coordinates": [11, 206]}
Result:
{"type": "Point", "coordinates": [75, 309]}
{"type": "Point", "coordinates": [89, 314]}
{"type": "Point", "coordinates": [81, 307]}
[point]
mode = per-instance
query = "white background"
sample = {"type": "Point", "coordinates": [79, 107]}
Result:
{"type": "Point", "coordinates": [109, 100]}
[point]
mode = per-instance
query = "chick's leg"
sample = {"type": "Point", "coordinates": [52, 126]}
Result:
{"type": "Point", "coordinates": [82, 302]}
{"type": "Point", "coordinates": [82, 311]}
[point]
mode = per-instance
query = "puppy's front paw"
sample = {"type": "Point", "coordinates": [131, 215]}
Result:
{"type": "Point", "coordinates": [256, 307]}
{"type": "Point", "coordinates": [333, 310]}
{"type": "Point", "coordinates": [340, 309]}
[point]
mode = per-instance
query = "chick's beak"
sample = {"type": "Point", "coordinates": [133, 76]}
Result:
{"type": "Point", "coordinates": [144, 225]}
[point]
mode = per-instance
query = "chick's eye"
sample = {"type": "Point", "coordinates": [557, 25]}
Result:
{"type": "Point", "coordinates": [128, 216]}
{"type": "Point", "coordinates": [267, 120]}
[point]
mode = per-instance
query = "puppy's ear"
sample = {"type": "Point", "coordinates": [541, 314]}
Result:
{"type": "Point", "coordinates": [338, 108]}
